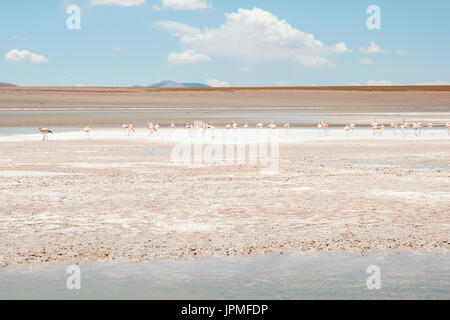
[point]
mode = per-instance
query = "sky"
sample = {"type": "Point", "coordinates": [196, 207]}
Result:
{"type": "Point", "coordinates": [224, 42]}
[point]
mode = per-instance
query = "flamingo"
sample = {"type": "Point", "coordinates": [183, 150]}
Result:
{"type": "Point", "coordinates": [228, 127]}
{"type": "Point", "coordinates": [448, 127]}
{"type": "Point", "coordinates": [129, 128]}
{"type": "Point", "coordinates": [419, 127]}
{"type": "Point", "coordinates": [259, 125]}
{"type": "Point", "coordinates": [374, 126]}
{"type": "Point", "coordinates": [347, 129]}
{"type": "Point", "coordinates": [235, 125]}
{"type": "Point", "coordinates": [381, 128]}
{"type": "Point", "coordinates": [272, 125]}
{"type": "Point", "coordinates": [150, 128]}
{"type": "Point", "coordinates": [287, 125]}
{"type": "Point", "coordinates": [325, 126]}
{"type": "Point", "coordinates": [430, 125]}
{"type": "Point", "coordinates": [45, 133]}
{"type": "Point", "coordinates": [415, 127]}
{"type": "Point", "coordinates": [246, 126]}
{"type": "Point", "coordinates": [87, 130]}
{"type": "Point", "coordinates": [172, 125]}
{"type": "Point", "coordinates": [394, 126]}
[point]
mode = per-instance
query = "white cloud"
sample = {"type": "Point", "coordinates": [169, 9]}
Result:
{"type": "Point", "coordinates": [254, 35]}
{"type": "Point", "coordinates": [365, 61]}
{"type": "Point", "coordinates": [18, 38]}
{"type": "Point", "coordinates": [341, 47]}
{"type": "Point", "coordinates": [245, 69]}
{"type": "Point", "coordinates": [118, 49]}
{"type": "Point", "coordinates": [436, 83]}
{"type": "Point", "coordinates": [402, 52]}
{"type": "Point", "coordinates": [372, 49]}
{"type": "Point", "coordinates": [217, 83]}
{"type": "Point", "coordinates": [177, 29]}
{"type": "Point", "coordinates": [25, 56]}
{"type": "Point", "coordinates": [379, 83]}
{"type": "Point", "coordinates": [120, 3]}
{"type": "Point", "coordinates": [187, 57]}
{"type": "Point", "coordinates": [183, 5]}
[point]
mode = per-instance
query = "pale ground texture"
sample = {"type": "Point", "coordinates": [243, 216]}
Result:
{"type": "Point", "coordinates": [123, 199]}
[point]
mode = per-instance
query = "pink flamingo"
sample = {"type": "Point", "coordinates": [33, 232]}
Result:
{"type": "Point", "coordinates": [347, 130]}
{"type": "Point", "coordinates": [419, 127]}
{"type": "Point", "coordinates": [448, 127]}
{"type": "Point", "coordinates": [259, 125]}
{"type": "Point", "coordinates": [272, 125]}
{"type": "Point", "coordinates": [45, 133]}
{"type": "Point", "coordinates": [246, 126]}
{"type": "Point", "coordinates": [129, 128]}
{"type": "Point", "coordinates": [381, 128]}
{"type": "Point", "coordinates": [374, 126]}
{"type": "Point", "coordinates": [235, 125]}
{"type": "Point", "coordinates": [87, 131]}
{"type": "Point", "coordinates": [394, 127]}
{"type": "Point", "coordinates": [152, 128]}
{"type": "Point", "coordinates": [172, 125]}
{"type": "Point", "coordinates": [287, 125]}
{"type": "Point", "coordinates": [228, 127]}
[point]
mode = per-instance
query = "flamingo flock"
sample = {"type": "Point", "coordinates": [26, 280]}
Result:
{"type": "Point", "coordinates": [322, 126]}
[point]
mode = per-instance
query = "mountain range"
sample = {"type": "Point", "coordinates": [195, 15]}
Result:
{"type": "Point", "coordinates": [173, 84]}
{"type": "Point", "coordinates": [4, 84]}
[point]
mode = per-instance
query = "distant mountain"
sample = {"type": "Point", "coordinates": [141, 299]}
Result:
{"type": "Point", "coordinates": [4, 84]}
{"type": "Point", "coordinates": [173, 84]}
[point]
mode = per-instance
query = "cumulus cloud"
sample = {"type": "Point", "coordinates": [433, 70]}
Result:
{"type": "Point", "coordinates": [217, 83]}
{"type": "Point", "coordinates": [365, 61]}
{"type": "Point", "coordinates": [182, 5]}
{"type": "Point", "coordinates": [177, 29]}
{"type": "Point", "coordinates": [254, 35]}
{"type": "Point", "coordinates": [18, 38]}
{"type": "Point", "coordinates": [436, 83]}
{"type": "Point", "coordinates": [372, 49]}
{"type": "Point", "coordinates": [187, 57]}
{"type": "Point", "coordinates": [379, 83]}
{"type": "Point", "coordinates": [341, 47]}
{"type": "Point", "coordinates": [120, 3]}
{"type": "Point", "coordinates": [25, 56]}
{"type": "Point", "coordinates": [402, 52]}
{"type": "Point", "coordinates": [245, 69]}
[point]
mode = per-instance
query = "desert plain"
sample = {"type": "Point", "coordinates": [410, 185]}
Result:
{"type": "Point", "coordinates": [112, 197]}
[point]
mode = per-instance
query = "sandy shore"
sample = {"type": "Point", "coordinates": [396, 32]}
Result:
{"type": "Point", "coordinates": [123, 199]}
{"type": "Point", "coordinates": [60, 106]}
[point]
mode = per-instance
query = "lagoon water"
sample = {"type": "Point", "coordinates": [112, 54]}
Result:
{"type": "Point", "coordinates": [323, 276]}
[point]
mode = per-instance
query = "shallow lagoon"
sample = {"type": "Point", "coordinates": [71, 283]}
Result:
{"type": "Point", "coordinates": [343, 276]}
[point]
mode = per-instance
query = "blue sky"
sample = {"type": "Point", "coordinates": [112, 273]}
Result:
{"type": "Point", "coordinates": [237, 43]}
